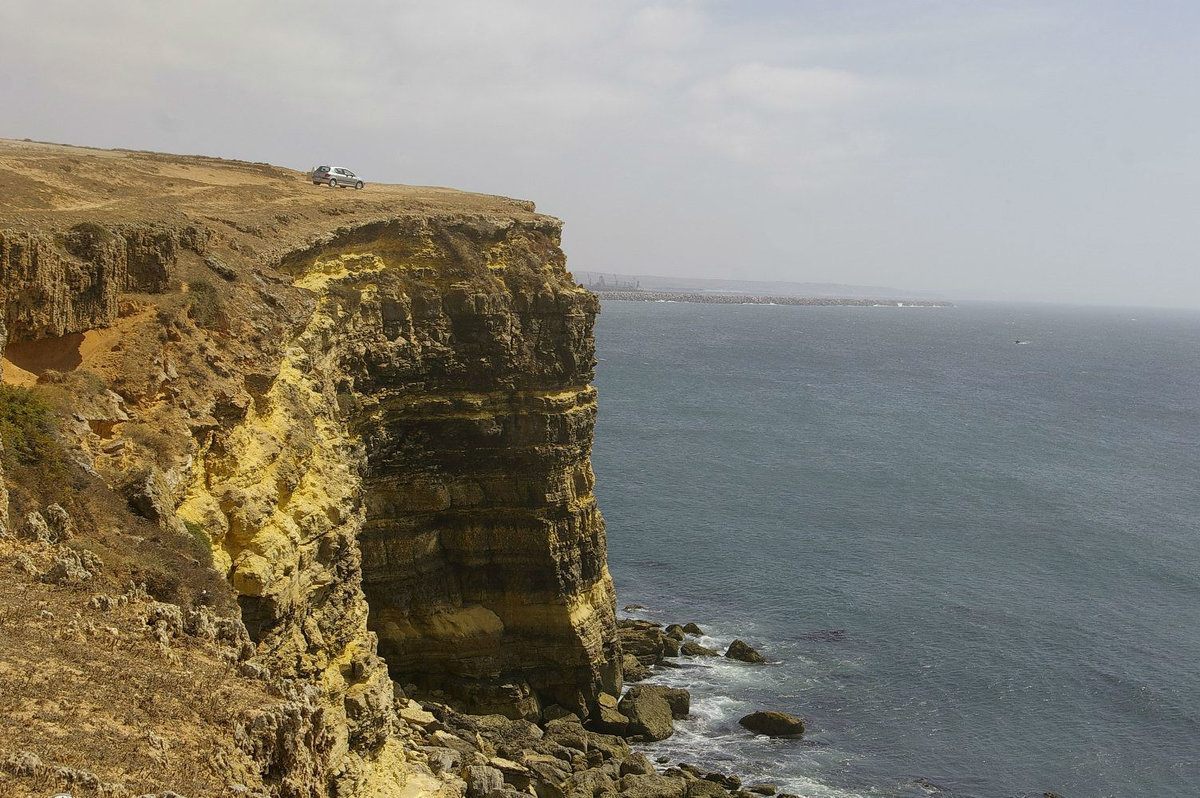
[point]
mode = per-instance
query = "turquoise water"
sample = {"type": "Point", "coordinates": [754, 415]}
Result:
{"type": "Point", "coordinates": [1009, 536]}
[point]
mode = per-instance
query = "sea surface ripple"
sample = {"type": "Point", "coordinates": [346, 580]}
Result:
{"type": "Point", "coordinates": [1008, 536]}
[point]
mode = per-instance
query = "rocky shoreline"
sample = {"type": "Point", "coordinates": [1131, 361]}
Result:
{"type": "Point", "coordinates": [743, 299]}
{"type": "Point", "coordinates": [565, 756]}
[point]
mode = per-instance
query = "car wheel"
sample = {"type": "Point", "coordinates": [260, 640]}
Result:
{"type": "Point", "coordinates": [332, 183]}
{"type": "Point", "coordinates": [358, 184]}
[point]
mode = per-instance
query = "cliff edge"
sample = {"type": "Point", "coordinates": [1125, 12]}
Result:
{"type": "Point", "coordinates": [304, 452]}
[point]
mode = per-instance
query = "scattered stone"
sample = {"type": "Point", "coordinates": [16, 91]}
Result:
{"type": "Point", "coordinates": [662, 760]}
{"type": "Point", "coordinates": [447, 740]}
{"type": "Point", "coordinates": [442, 760]}
{"type": "Point", "coordinates": [740, 651]}
{"type": "Point", "coordinates": [773, 724]}
{"type": "Point", "coordinates": [633, 607]}
{"type": "Point", "coordinates": [650, 716]}
{"type": "Point", "coordinates": [693, 649]}
{"type": "Point", "coordinates": [763, 789]}
{"type": "Point", "coordinates": [412, 714]}
{"type": "Point", "coordinates": [73, 567]}
{"type": "Point", "coordinates": [105, 603]}
{"type": "Point", "coordinates": [674, 631]}
{"type": "Point", "coordinates": [692, 629]}
{"type": "Point", "coordinates": [35, 528]}
{"type": "Point", "coordinates": [730, 782]}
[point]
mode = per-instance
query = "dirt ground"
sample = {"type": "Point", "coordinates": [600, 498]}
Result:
{"type": "Point", "coordinates": [44, 184]}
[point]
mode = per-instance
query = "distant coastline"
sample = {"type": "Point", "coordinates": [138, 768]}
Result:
{"type": "Point", "coordinates": [744, 299]}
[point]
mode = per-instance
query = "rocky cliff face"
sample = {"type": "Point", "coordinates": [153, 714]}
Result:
{"type": "Point", "coordinates": [374, 410]}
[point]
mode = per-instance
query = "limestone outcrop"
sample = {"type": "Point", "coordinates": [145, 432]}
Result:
{"type": "Point", "coordinates": [372, 412]}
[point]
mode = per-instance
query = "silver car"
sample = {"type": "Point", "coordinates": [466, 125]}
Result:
{"type": "Point", "coordinates": [335, 177]}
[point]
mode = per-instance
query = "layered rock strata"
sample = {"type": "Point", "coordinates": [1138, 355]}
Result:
{"type": "Point", "coordinates": [373, 408]}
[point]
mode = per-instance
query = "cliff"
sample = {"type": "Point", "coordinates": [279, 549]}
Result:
{"type": "Point", "coordinates": [304, 449]}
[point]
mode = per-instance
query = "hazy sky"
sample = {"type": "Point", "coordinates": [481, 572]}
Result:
{"type": "Point", "coordinates": [1043, 150]}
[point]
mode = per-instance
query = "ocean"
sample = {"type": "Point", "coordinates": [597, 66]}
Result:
{"type": "Point", "coordinates": [973, 564]}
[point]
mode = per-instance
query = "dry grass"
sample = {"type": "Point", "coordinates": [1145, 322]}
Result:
{"type": "Point", "coordinates": [87, 689]}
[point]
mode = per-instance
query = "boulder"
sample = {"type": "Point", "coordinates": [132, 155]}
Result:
{"type": "Point", "coordinates": [607, 718]}
{"type": "Point", "coordinates": [650, 716]}
{"type": "Point", "coordinates": [442, 760]}
{"type": "Point", "coordinates": [412, 714]}
{"type": "Point", "coordinates": [557, 712]}
{"type": "Point", "coordinates": [514, 773]}
{"type": "Point", "coordinates": [763, 789]}
{"type": "Point", "coordinates": [637, 765]}
{"type": "Point", "coordinates": [634, 670]}
{"type": "Point", "coordinates": [740, 651]}
{"type": "Point", "coordinates": [679, 699]}
{"type": "Point", "coordinates": [589, 783]}
{"type": "Point", "coordinates": [730, 782]}
{"type": "Point", "coordinates": [567, 733]}
{"type": "Point", "coordinates": [670, 647]}
{"type": "Point", "coordinates": [642, 639]}
{"type": "Point", "coordinates": [507, 734]}
{"type": "Point", "coordinates": [35, 528]}
{"type": "Point", "coordinates": [445, 739]}
{"type": "Point", "coordinates": [692, 629]}
{"type": "Point", "coordinates": [652, 786]}
{"type": "Point", "coordinates": [702, 788]}
{"type": "Point", "coordinates": [674, 631]}
{"type": "Point", "coordinates": [482, 780]}
{"type": "Point", "coordinates": [693, 649]}
{"type": "Point", "coordinates": [773, 724]}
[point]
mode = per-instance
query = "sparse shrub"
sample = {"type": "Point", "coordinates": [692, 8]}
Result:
{"type": "Point", "coordinates": [203, 544]}
{"type": "Point", "coordinates": [28, 431]}
{"type": "Point", "coordinates": [205, 306]}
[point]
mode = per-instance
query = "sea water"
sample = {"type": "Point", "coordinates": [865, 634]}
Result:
{"type": "Point", "coordinates": [973, 564]}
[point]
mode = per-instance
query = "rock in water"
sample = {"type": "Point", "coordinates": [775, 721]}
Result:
{"type": "Point", "coordinates": [773, 724]}
{"type": "Point", "coordinates": [693, 649]}
{"type": "Point", "coordinates": [740, 651]}
{"type": "Point", "coordinates": [679, 699]}
{"type": "Point", "coordinates": [649, 713]}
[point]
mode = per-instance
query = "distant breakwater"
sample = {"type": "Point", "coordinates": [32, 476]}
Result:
{"type": "Point", "coordinates": [742, 299]}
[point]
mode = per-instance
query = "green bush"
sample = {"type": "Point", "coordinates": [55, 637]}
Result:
{"type": "Point", "coordinates": [27, 430]}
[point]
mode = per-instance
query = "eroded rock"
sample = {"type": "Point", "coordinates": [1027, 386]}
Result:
{"type": "Point", "coordinates": [739, 650]}
{"type": "Point", "coordinates": [773, 724]}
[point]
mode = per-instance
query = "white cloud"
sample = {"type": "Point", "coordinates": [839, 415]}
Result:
{"type": "Point", "coordinates": [777, 88]}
